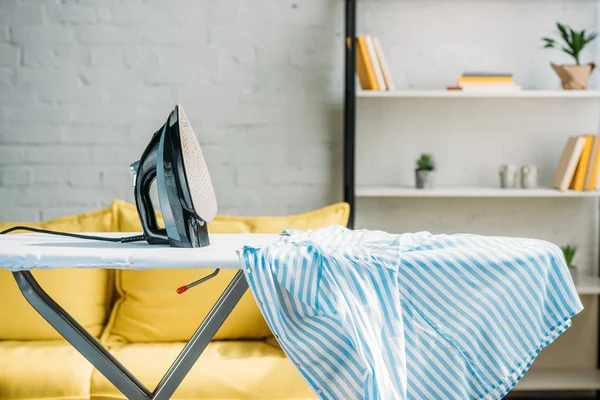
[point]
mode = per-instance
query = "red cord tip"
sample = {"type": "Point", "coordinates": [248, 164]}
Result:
{"type": "Point", "coordinates": [182, 289]}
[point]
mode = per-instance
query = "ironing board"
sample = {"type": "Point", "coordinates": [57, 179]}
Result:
{"type": "Point", "coordinates": [21, 253]}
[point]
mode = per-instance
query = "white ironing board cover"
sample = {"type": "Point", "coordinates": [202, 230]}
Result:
{"type": "Point", "coordinates": [28, 251]}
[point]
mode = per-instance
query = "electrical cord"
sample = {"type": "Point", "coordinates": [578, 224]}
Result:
{"type": "Point", "coordinates": [127, 239]}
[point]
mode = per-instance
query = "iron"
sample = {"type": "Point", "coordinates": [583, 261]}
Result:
{"type": "Point", "coordinates": [174, 160]}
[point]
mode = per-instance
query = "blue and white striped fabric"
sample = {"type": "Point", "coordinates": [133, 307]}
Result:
{"type": "Point", "coordinates": [371, 315]}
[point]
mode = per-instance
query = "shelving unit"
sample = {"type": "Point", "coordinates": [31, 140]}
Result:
{"type": "Point", "coordinates": [550, 374]}
{"type": "Point", "coordinates": [526, 94]}
{"type": "Point", "coordinates": [457, 191]}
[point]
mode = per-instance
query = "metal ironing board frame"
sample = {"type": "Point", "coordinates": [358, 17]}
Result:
{"type": "Point", "coordinates": [106, 363]}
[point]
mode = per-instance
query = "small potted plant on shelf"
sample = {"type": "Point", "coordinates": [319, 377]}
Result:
{"type": "Point", "coordinates": [425, 172]}
{"type": "Point", "coordinates": [569, 253]}
{"type": "Point", "coordinates": [573, 77]}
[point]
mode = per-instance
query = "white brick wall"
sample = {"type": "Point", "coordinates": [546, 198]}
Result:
{"type": "Point", "coordinates": [83, 85]}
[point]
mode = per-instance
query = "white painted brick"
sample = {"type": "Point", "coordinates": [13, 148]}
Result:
{"type": "Point", "coordinates": [263, 154]}
{"type": "Point", "coordinates": [72, 92]}
{"type": "Point", "coordinates": [101, 115]}
{"type": "Point", "coordinates": [53, 154]}
{"type": "Point", "coordinates": [11, 155]}
{"type": "Point", "coordinates": [7, 74]}
{"type": "Point", "coordinates": [9, 55]}
{"type": "Point", "coordinates": [107, 55]}
{"type": "Point", "coordinates": [116, 156]}
{"type": "Point", "coordinates": [185, 12]}
{"type": "Point", "coordinates": [15, 176]}
{"type": "Point", "coordinates": [195, 34]}
{"type": "Point", "coordinates": [298, 175]}
{"type": "Point", "coordinates": [119, 79]}
{"type": "Point", "coordinates": [88, 176]}
{"type": "Point", "coordinates": [117, 178]}
{"type": "Point", "coordinates": [93, 134]}
{"type": "Point", "coordinates": [32, 134]}
{"type": "Point", "coordinates": [21, 13]}
{"type": "Point", "coordinates": [10, 95]}
{"type": "Point", "coordinates": [42, 76]}
{"type": "Point", "coordinates": [38, 34]}
{"type": "Point", "coordinates": [142, 56]}
{"type": "Point", "coordinates": [71, 13]}
{"type": "Point", "coordinates": [15, 214]}
{"type": "Point", "coordinates": [46, 196]}
{"type": "Point", "coordinates": [104, 34]}
{"type": "Point", "coordinates": [251, 176]}
{"type": "Point", "coordinates": [177, 74]}
{"type": "Point", "coordinates": [50, 175]}
{"type": "Point", "coordinates": [55, 56]}
{"type": "Point", "coordinates": [67, 176]}
{"type": "Point", "coordinates": [40, 113]}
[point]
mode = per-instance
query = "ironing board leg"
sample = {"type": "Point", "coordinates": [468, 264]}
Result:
{"type": "Point", "coordinates": [109, 366]}
{"type": "Point", "coordinates": [79, 338]}
{"type": "Point", "coordinates": [202, 337]}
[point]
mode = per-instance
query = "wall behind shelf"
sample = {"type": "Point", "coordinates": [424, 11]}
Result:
{"type": "Point", "coordinates": [428, 43]}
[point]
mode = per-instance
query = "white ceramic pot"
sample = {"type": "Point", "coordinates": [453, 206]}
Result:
{"type": "Point", "coordinates": [424, 179]}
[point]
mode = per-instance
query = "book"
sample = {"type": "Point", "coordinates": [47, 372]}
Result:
{"type": "Point", "coordinates": [387, 76]}
{"type": "Point", "coordinates": [592, 171]}
{"type": "Point", "coordinates": [488, 74]}
{"type": "Point", "coordinates": [579, 177]}
{"type": "Point", "coordinates": [568, 162]}
{"type": "Point", "coordinates": [375, 62]}
{"type": "Point", "coordinates": [486, 79]}
{"type": "Point", "coordinates": [486, 87]}
{"type": "Point", "coordinates": [364, 68]}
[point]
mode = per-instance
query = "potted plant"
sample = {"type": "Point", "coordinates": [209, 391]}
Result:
{"type": "Point", "coordinates": [573, 77]}
{"type": "Point", "coordinates": [569, 253]}
{"type": "Point", "coordinates": [425, 172]}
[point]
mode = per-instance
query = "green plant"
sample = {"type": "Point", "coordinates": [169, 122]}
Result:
{"type": "Point", "coordinates": [426, 162]}
{"type": "Point", "coordinates": [574, 42]}
{"type": "Point", "coordinates": [569, 253]}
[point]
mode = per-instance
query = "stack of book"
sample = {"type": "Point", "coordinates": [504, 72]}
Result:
{"type": "Point", "coordinates": [578, 165]}
{"type": "Point", "coordinates": [371, 66]}
{"type": "Point", "coordinates": [487, 81]}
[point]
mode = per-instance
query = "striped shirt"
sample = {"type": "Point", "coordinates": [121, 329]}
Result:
{"type": "Point", "coordinates": [371, 315]}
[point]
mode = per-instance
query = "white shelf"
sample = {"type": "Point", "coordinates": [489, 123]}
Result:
{"type": "Point", "coordinates": [550, 94]}
{"type": "Point", "coordinates": [400, 191]}
{"type": "Point", "coordinates": [586, 284]}
{"type": "Point", "coordinates": [559, 379]}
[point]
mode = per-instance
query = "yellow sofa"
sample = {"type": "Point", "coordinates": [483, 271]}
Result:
{"type": "Point", "coordinates": [144, 323]}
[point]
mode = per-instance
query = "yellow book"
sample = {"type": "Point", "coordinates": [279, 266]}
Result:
{"type": "Point", "coordinates": [485, 79]}
{"type": "Point", "coordinates": [592, 171]}
{"type": "Point", "coordinates": [578, 181]}
{"type": "Point", "coordinates": [366, 73]}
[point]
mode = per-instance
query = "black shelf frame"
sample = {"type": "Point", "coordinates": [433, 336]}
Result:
{"type": "Point", "coordinates": [350, 110]}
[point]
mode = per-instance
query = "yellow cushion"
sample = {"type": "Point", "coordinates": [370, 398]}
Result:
{"type": "Point", "coordinates": [335, 214]}
{"type": "Point", "coordinates": [225, 371]}
{"type": "Point", "coordinates": [150, 310]}
{"type": "Point", "coordinates": [85, 294]}
{"type": "Point", "coordinates": [50, 370]}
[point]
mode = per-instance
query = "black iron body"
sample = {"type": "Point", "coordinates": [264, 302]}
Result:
{"type": "Point", "coordinates": [163, 161]}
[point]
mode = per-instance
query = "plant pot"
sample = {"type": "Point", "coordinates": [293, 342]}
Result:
{"type": "Point", "coordinates": [574, 77]}
{"type": "Point", "coordinates": [424, 179]}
